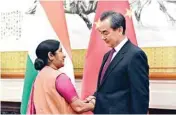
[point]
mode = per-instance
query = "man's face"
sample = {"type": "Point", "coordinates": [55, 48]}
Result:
{"type": "Point", "coordinates": [110, 36]}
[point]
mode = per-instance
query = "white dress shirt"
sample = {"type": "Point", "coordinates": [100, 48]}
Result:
{"type": "Point", "coordinates": [118, 47]}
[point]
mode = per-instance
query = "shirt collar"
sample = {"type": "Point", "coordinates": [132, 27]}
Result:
{"type": "Point", "coordinates": [122, 43]}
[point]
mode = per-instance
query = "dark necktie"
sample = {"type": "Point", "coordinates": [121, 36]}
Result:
{"type": "Point", "coordinates": [108, 61]}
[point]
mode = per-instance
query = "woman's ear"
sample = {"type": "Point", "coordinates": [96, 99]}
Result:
{"type": "Point", "coordinates": [50, 56]}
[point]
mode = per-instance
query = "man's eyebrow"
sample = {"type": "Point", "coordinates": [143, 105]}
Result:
{"type": "Point", "coordinates": [103, 31]}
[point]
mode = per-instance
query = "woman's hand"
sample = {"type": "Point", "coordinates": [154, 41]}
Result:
{"type": "Point", "coordinates": [81, 106]}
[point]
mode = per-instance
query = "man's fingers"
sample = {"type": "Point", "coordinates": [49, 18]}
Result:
{"type": "Point", "coordinates": [85, 101]}
{"type": "Point", "coordinates": [92, 97]}
{"type": "Point", "coordinates": [88, 99]}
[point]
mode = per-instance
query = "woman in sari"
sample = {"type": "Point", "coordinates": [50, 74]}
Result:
{"type": "Point", "coordinates": [52, 91]}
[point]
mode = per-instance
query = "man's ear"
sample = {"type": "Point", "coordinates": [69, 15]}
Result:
{"type": "Point", "coordinates": [120, 30]}
{"type": "Point", "coordinates": [50, 56]}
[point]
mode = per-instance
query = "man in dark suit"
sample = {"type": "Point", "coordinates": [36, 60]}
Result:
{"type": "Point", "coordinates": [123, 81]}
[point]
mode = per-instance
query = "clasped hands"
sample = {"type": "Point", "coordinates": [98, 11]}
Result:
{"type": "Point", "coordinates": [91, 99]}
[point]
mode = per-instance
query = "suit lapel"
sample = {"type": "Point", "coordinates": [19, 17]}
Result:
{"type": "Point", "coordinates": [119, 56]}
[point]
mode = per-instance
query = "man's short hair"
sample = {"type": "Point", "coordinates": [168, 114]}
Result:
{"type": "Point", "coordinates": [117, 19]}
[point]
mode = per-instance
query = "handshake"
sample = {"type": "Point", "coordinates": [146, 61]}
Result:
{"type": "Point", "coordinates": [89, 103]}
{"type": "Point", "coordinates": [90, 99]}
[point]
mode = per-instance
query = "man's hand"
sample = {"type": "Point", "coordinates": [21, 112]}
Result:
{"type": "Point", "coordinates": [91, 99]}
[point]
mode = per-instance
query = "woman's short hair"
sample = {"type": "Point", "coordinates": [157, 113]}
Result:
{"type": "Point", "coordinates": [42, 52]}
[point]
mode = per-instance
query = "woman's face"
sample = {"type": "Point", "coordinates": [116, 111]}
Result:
{"type": "Point", "coordinates": [58, 59]}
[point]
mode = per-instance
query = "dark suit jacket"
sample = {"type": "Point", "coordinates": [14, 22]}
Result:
{"type": "Point", "coordinates": [125, 85]}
